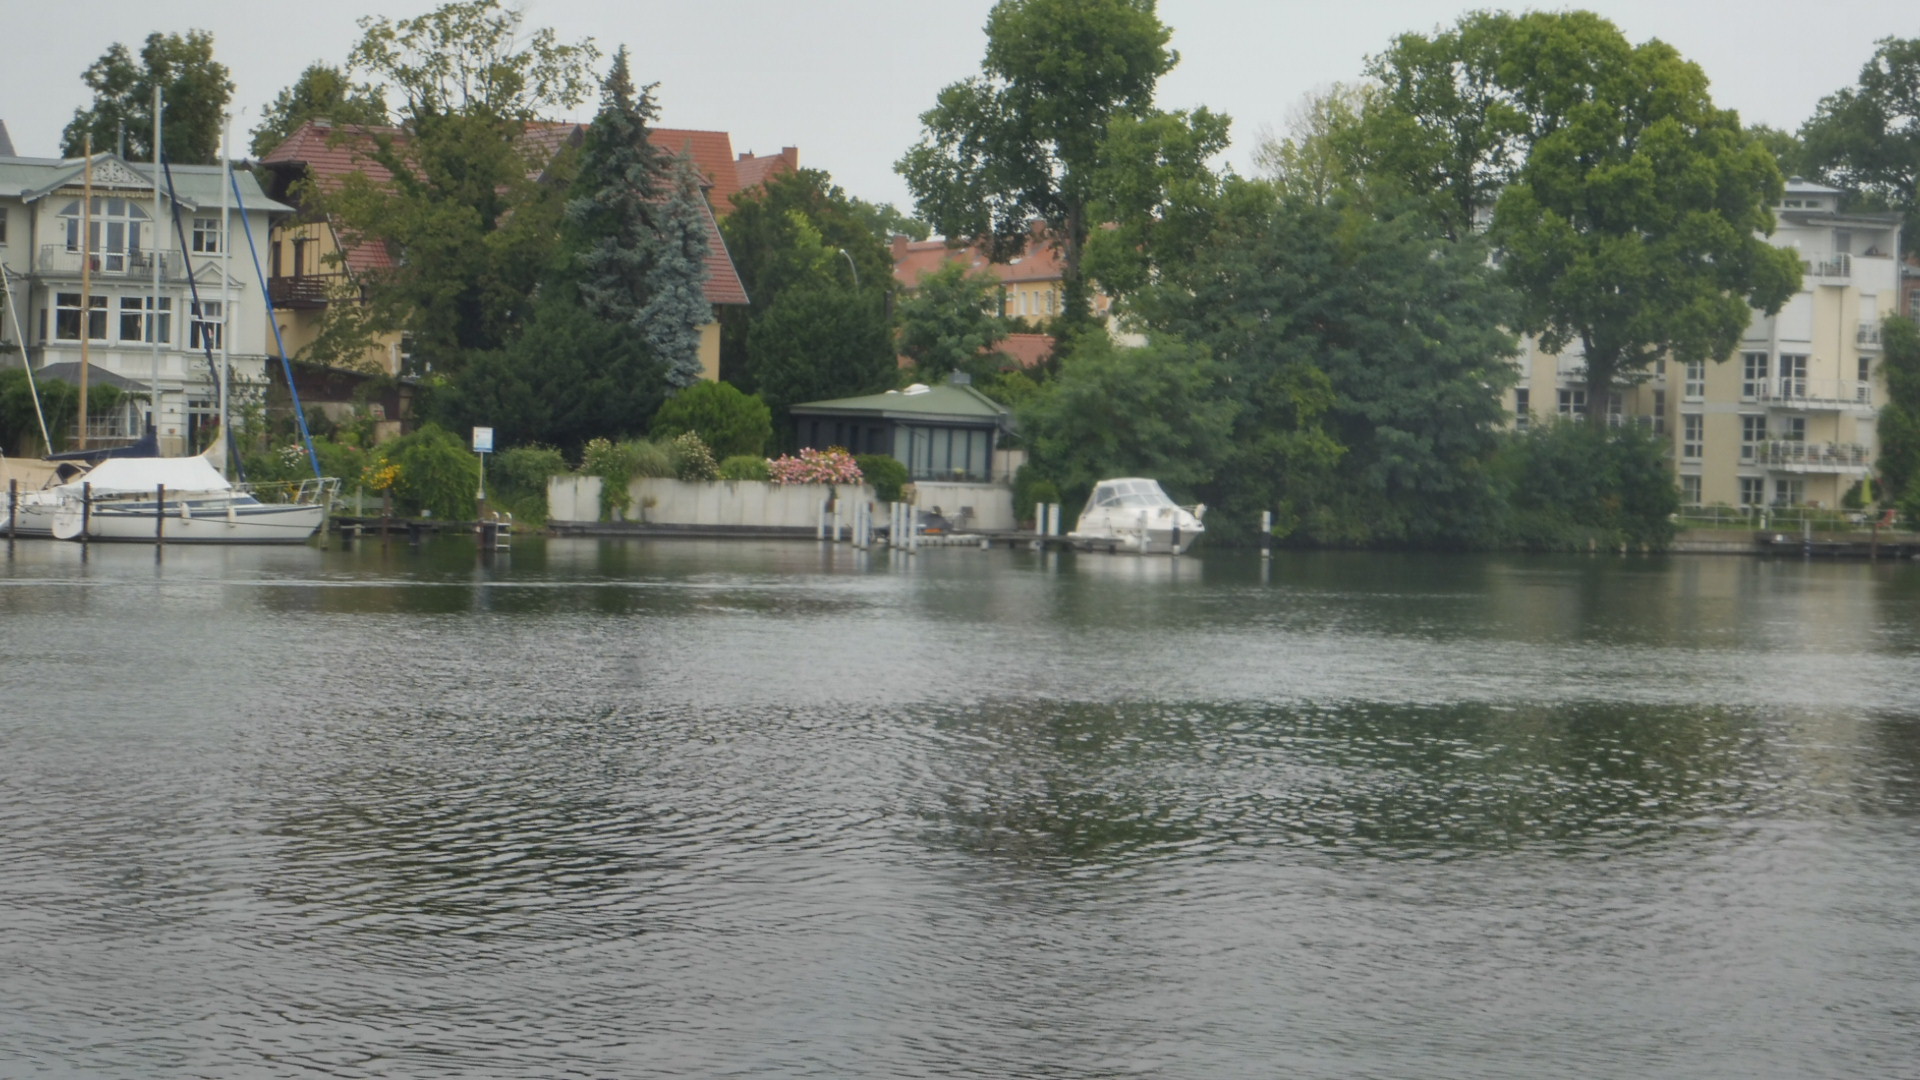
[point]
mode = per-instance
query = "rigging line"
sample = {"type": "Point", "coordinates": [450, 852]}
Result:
{"type": "Point", "coordinates": [299, 414]}
{"type": "Point", "coordinates": [20, 339]}
{"type": "Point", "coordinates": [206, 340]}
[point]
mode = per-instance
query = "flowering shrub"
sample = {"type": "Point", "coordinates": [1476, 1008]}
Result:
{"type": "Point", "coordinates": [691, 458]}
{"type": "Point", "coordinates": [380, 475]}
{"type": "Point", "coordinates": [830, 466]}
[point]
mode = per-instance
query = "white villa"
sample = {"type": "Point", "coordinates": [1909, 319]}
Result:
{"type": "Point", "coordinates": [143, 267]}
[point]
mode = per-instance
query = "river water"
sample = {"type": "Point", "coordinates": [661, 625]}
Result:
{"type": "Point", "coordinates": [690, 808]}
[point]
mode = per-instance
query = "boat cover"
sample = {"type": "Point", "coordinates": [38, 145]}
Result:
{"type": "Point", "coordinates": [131, 476]}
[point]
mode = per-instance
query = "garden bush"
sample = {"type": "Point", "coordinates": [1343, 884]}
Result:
{"type": "Point", "coordinates": [729, 422]}
{"type": "Point", "coordinates": [885, 473]}
{"type": "Point", "coordinates": [438, 474]}
{"type": "Point", "coordinates": [745, 467]}
{"type": "Point", "coordinates": [691, 459]}
{"type": "Point", "coordinates": [517, 480]}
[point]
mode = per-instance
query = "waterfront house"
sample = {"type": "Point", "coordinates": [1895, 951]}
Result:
{"type": "Point", "coordinates": [148, 288]}
{"type": "Point", "coordinates": [938, 432]}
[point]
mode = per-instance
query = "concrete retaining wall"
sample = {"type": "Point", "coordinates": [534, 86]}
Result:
{"type": "Point", "coordinates": [756, 504]}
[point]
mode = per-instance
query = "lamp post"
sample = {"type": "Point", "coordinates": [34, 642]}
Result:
{"type": "Point", "coordinates": [853, 267]}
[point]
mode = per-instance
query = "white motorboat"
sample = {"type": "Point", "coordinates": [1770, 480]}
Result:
{"type": "Point", "coordinates": [1133, 514]}
{"type": "Point", "coordinates": [121, 499]}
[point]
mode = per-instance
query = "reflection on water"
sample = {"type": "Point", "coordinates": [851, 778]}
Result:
{"type": "Point", "coordinates": [699, 808]}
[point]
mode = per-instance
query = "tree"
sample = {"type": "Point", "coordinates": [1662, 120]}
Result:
{"type": "Point", "coordinates": [1368, 355]}
{"type": "Point", "coordinates": [1312, 161]}
{"type": "Point", "coordinates": [194, 91]}
{"type": "Point", "coordinates": [819, 342]}
{"type": "Point", "coordinates": [676, 306]}
{"type": "Point", "coordinates": [800, 230]}
{"type": "Point", "coordinates": [637, 227]}
{"type": "Point", "coordinates": [473, 57]}
{"type": "Point", "coordinates": [566, 378]}
{"type": "Point", "coordinates": [1628, 210]}
{"type": "Point", "coordinates": [1898, 423]}
{"type": "Point", "coordinates": [466, 214]}
{"type": "Point", "coordinates": [1028, 138]}
{"type": "Point", "coordinates": [729, 422]}
{"type": "Point", "coordinates": [1866, 138]}
{"type": "Point", "coordinates": [1156, 411]}
{"type": "Point", "coordinates": [947, 322]}
{"type": "Point", "coordinates": [885, 220]}
{"type": "Point", "coordinates": [322, 92]}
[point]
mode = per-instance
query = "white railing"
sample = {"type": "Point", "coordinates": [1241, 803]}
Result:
{"type": "Point", "coordinates": [1815, 393]}
{"type": "Point", "coordinates": [1796, 456]}
{"type": "Point", "coordinates": [58, 259]}
{"type": "Point", "coordinates": [1868, 336]}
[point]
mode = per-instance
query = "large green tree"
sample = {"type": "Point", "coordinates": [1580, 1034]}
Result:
{"type": "Point", "coordinates": [637, 230]}
{"type": "Point", "coordinates": [472, 210]}
{"type": "Point", "coordinates": [1030, 136]}
{"type": "Point", "coordinates": [819, 342]}
{"type": "Point", "coordinates": [1866, 138]}
{"type": "Point", "coordinates": [194, 93]}
{"type": "Point", "coordinates": [1629, 211]}
{"type": "Point", "coordinates": [800, 230]}
{"type": "Point", "coordinates": [1899, 419]}
{"type": "Point", "coordinates": [1368, 355]}
{"type": "Point", "coordinates": [949, 322]}
{"type": "Point", "coordinates": [322, 92]}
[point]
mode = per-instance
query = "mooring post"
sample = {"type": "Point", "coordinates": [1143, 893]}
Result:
{"type": "Point", "coordinates": [13, 508]}
{"type": "Point", "coordinates": [1266, 534]}
{"type": "Point", "coordinates": [1053, 519]}
{"type": "Point", "coordinates": [1143, 532]}
{"type": "Point", "coordinates": [86, 511]}
{"type": "Point", "coordinates": [1174, 548]}
{"type": "Point", "coordinates": [159, 513]}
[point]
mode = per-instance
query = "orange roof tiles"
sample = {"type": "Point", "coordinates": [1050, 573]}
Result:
{"type": "Point", "coordinates": [915, 259]}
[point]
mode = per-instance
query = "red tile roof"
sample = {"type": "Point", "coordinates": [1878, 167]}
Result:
{"type": "Point", "coordinates": [1027, 350]}
{"type": "Point", "coordinates": [756, 171]}
{"type": "Point", "coordinates": [915, 259]}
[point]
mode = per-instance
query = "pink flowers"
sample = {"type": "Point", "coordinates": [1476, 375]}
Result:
{"type": "Point", "coordinates": [831, 466]}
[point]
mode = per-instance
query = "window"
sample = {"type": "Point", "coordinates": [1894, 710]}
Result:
{"type": "Point", "coordinates": [1522, 416]}
{"type": "Point", "coordinates": [1753, 375]}
{"type": "Point", "coordinates": [1616, 409]}
{"type": "Point", "coordinates": [1789, 492]}
{"type": "Point", "coordinates": [300, 256]}
{"type": "Point", "coordinates": [1690, 491]}
{"type": "Point", "coordinates": [66, 317]}
{"type": "Point", "coordinates": [203, 332]}
{"type": "Point", "coordinates": [1696, 382]}
{"type": "Point", "coordinates": [1753, 491]}
{"type": "Point", "coordinates": [1692, 435]}
{"type": "Point", "coordinates": [206, 235]}
{"type": "Point", "coordinates": [1753, 432]}
{"type": "Point", "coordinates": [3, 226]}
{"type": "Point", "coordinates": [1660, 412]}
{"type": "Point", "coordinates": [1793, 376]}
{"type": "Point", "coordinates": [1573, 403]}
{"type": "Point", "coordinates": [1795, 429]}
{"type": "Point", "coordinates": [113, 233]}
{"type": "Point", "coordinates": [273, 256]}
{"type": "Point", "coordinates": [137, 325]}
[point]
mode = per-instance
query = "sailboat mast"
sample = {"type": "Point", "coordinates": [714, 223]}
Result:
{"type": "Point", "coordinates": [226, 293]}
{"type": "Point", "coordinates": [86, 278]}
{"type": "Point", "coordinates": [153, 305]}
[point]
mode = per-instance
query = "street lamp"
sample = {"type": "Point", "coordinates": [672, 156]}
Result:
{"type": "Point", "coordinates": [851, 266]}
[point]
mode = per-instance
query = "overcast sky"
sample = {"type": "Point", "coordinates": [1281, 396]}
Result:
{"type": "Point", "coordinates": [846, 80]}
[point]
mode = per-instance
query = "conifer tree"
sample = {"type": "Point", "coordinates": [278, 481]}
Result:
{"type": "Point", "coordinates": [640, 226]}
{"type": "Point", "coordinates": [676, 307]}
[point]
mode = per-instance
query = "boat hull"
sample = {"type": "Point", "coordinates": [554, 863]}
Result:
{"type": "Point", "coordinates": [200, 522]}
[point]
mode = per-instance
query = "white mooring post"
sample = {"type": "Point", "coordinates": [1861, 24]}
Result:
{"type": "Point", "coordinates": [1143, 532]}
{"type": "Point", "coordinates": [1053, 519]}
{"type": "Point", "coordinates": [820, 523]}
{"type": "Point", "coordinates": [1266, 534]}
{"type": "Point", "coordinates": [1039, 524]}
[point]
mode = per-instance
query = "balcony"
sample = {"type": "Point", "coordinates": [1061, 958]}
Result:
{"type": "Point", "coordinates": [1868, 336]}
{"type": "Point", "coordinates": [1837, 269]}
{"type": "Point", "coordinates": [59, 262]}
{"type": "Point", "coordinates": [304, 291]}
{"type": "Point", "coordinates": [1816, 395]}
{"type": "Point", "coordinates": [1784, 455]}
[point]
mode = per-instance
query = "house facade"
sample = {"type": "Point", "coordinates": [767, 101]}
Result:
{"type": "Point", "coordinates": [1788, 419]}
{"type": "Point", "coordinates": [153, 292]}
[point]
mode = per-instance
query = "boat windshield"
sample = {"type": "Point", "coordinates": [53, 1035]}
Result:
{"type": "Point", "coordinates": [1131, 495]}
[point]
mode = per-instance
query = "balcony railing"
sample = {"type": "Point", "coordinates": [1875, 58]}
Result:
{"type": "Point", "coordinates": [1837, 266]}
{"type": "Point", "coordinates": [1819, 394]}
{"type": "Point", "coordinates": [1791, 456]}
{"type": "Point", "coordinates": [1868, 336]}
{"type": "Point", "coordinates": [304, 290]}
{"type": "Point", "coordinates": [57, 260]}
